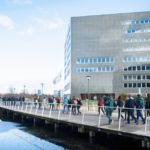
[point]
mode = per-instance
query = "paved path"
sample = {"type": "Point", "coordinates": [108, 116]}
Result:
{"type": "Point", "coordinates": [86, 118]}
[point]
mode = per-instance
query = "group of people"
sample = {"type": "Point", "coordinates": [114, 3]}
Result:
{"type": "Point", "coordinates": [13, 99]}
{"type": "Point", "coordinates": [132, 108]}
{"type": "Point", "coordinates": [74, 104]}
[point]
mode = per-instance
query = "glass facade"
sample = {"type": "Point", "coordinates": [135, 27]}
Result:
{"type": "Point", "coordinates": [117, 60]}
{"type": "Point", "coordinates": [95, 60]}
{"type": "Point", "coordinates": [137, 22]}
{"type": "Point", "coordinates": [136, 59]}
{"type": "Point", "coordinates": [95, 69]}
{"type": "Point", "coordinates": [67, 62]}
{"type": "Point", "coordinates": [136, 77]}
{"type": "Point", "coordinates": [137, 85]}
{"type": "Point", "coordinates": [137, 68]}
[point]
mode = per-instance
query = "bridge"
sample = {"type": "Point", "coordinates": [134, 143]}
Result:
{"type": "Point", "coordinates": [88, 120]}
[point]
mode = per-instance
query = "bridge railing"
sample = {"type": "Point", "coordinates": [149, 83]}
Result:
{"type": "Point", "coordinates": [99, 116]}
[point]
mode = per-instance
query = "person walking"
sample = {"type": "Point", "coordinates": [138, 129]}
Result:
{"type": "Point", "coordinates": [120, 107]}
{"type": "Point", "coordinates": [101, 105]}
{"type": "Point", "coordinates": [139, 105]}
{"type": "Point", "coordinates": [65, 102]}
{"type": "Point", "coordinates": [79, 104]}
{"type": "Point", "coordinates": [129, 107]}
{"type": "Point", "coordinates": [109, 105]}
{"type": "Point", "coordinates": [147, 105]}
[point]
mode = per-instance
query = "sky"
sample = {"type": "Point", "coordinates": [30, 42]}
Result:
{"type": "Point", "coordinates": [32, 37]}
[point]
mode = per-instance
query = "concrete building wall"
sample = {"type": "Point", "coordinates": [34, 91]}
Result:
{"type": "Point", "coordinates": [106, 36]}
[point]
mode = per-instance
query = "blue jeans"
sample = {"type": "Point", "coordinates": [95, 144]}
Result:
{"type": "Point", "coordinates": [139, 114]}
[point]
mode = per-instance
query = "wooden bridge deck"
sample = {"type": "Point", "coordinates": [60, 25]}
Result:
{"type": "Point", "coordinates": [86, 118]}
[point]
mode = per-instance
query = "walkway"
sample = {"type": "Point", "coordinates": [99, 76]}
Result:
{"type": "Point", "coordinates": [86, 118]}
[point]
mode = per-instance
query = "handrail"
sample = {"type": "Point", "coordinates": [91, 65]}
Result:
{"type": "Point", "coordinates": [71, 113]}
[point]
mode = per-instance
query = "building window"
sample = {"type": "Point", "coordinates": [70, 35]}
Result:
{"type": "Point", "coordinates": [130, 77]}
{"type": "Point", "coordinates": [148, 77]}
{"type": "Point", "coordinates": [125, 77]}
{"type": "Point", "coordinates": [134, 85]}
{"type": "Point", "coordinates": [125, 85]}
{"type": "Point", "coordinates": [147, 67]}
{"type": "Point", "coordinates": [139, 84]}
{"type": "Point", "coordinates": [143, 84]}
{"type": "Point", "coordinates": [134, 68]}
{"type": "Point", "coordinates": [143, 67]}
{"type": "Point", "coordinates": [148, 84]}
{"type": "Point", "coordinates": [130, 85]}
{"type": "Point", "coordinates": [139, 77]}
{"type": "Point", "coordinates": [143, 77]}
{"type": "Point", "coordinates": [138, 68]}
{"type": "Point", "coordinates": [134, 77]}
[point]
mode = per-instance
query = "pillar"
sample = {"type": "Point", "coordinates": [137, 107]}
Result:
{"type": "Point", "coordinates": [81, 129]}
{"type": "Point", "coordinates": [148, 144]}
{"type": "Point", "coordinates": [56, 126]}
{"type": "Point", "coordinates": [34, 122]}
{"type": "Point", "coordinates": [91, 134]}
{"type": "Point", "coordinates": [22, 118]}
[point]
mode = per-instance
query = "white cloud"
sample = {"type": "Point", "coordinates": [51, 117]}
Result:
{"type": "Point", "coordinates": [28, 31]}
{"type": "Point", "coordinates": [22, 2]}
{"type": "Point", "coordinates": [6, 22]}
{"type": "Point", "coordinates": [50, 25]}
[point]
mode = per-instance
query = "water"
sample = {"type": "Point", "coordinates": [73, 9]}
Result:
{"type": "Point", "coordinates": [14, 136]}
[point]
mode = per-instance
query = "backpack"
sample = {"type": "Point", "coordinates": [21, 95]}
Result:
{"type": "Point", "coordinates": [100, 102]}
{"type": "Point", "coordinates": [139, 103]}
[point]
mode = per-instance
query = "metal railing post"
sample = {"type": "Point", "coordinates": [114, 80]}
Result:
{"type": "Point", "coordinates": [50, 111]}
{"type": "Point", "coordinates": [99, 119]}
{"type": "Point", "coordinates": [26, 107]}
{"type": "Point", "coordinates": [36, 109]}
{"type": "Point", "coordinates": [145, 121]}
{"type": "Point", "coordinates": [70, 113]}
{"type": "Point", "coordinates": [22, 106]}
{"type": "Point", "coordinates": [43, 110]}
{"type": "Point", "coordinates": [59, 113]}
{"type": "Point", "coordinates": [120, 109]}
{"type": "Point", "coordinates": [83, 116]}
{"type": "Point", "coordinates": [31, 108]}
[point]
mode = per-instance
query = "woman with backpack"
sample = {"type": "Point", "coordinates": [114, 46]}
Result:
{"type": "Point", "coordinates": [101, 105]}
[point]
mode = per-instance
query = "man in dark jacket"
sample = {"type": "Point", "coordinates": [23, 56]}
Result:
{"type": "Point", "coordinates": [129, 105]}
{"type": "Point", "coordinates": [120, 107]}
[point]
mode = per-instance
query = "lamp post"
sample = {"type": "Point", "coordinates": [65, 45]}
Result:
{"type": "Point", "coordinates": [88, 77]}
{"type": "Point", "coordinates": [42, 84]}
{"type": "Point", "coordinates": [24, 87]}
{"type": "Point", "coordinates": [14, 90]}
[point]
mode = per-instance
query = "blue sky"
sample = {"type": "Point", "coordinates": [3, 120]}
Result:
{"type": "Point", "coordinates": [32, 37]}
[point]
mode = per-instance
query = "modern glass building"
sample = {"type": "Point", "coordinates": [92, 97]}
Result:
{"type": "Point", "coordinates": [114, 50]}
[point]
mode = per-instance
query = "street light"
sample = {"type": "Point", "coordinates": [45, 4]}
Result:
{"type": "Point", "coordinates": [24, 89]}
{"type": "Point", "coordinates": [88, 77]}
{"type": "Point", "coordinates": [14, 90]}
{"type": "Point", "coordinates": [42, 84]}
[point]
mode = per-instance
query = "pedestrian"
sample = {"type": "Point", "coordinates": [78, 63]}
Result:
{"type": "Point", "coordinates": [129, 107]}
{"type": "Point", "coordinates": [109, 105]}
{"type": "Point", "coordinates": [120, 107]}
{"type": "Point", "coordinates": [79, 104]}
{"type": "Point", "coordinates": [101, 105]}
{"type": "Point", "coordinates": [139, 107]}
{"type": "Point", "coordinates": [147, 105]}
{"type": "Point", "coordinates": [65, 102]}
{"type": "Point", "coordinates": [40, 101]}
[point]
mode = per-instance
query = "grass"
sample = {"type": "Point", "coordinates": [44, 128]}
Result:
{"type": "Point", "coordinates": [91, 102]}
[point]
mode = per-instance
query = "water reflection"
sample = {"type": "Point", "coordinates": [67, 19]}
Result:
{"type": "Point", "coordinates": [14, 137]}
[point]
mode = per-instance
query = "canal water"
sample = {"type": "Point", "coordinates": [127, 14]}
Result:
{"type": "Point", "coordinates": [15, 136]}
